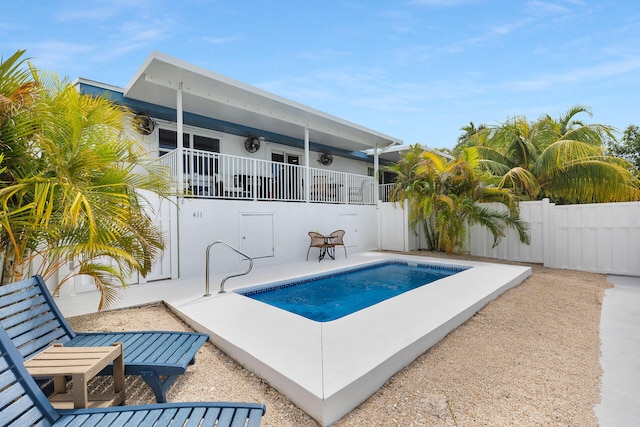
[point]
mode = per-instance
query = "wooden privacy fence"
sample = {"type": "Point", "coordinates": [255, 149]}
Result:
{"type": "Point", "coordinates": [601, 238]}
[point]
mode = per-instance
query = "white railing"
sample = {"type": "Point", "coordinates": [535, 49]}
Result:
{"type": "Point", "coordinates": [383, 192]}
{"type": "Point", "coordinates": [215, 175]}
{"type": "Point", "coordinates": [340, 187]}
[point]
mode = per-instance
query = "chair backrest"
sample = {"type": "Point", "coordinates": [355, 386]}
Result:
{"type": "Point", "coordinates": [337, 237]}
{"type": "Point", "coordinates": [31, 318]}
{"type": "Point", "coordinates": [317, 239]}
{"type": "Point", "coordinates": [22, 403]}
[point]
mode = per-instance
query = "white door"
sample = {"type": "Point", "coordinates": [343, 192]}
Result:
{"type": "Point", "coordinates": [162, 268]}
{"type": "Point", "coordinates": [257, 235]}
{"type": "Point", "coordinates": [349, 223]}
{"type": "Point", "coordinates": [393, 227]}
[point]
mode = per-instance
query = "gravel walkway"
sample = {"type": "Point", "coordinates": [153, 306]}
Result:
{"type": "Point", "coordinates": [529, 358]}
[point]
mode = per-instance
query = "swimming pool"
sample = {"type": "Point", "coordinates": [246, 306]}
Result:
{"type": "Point", "coordinates": [332, 296]}
{"type": "Point", "coordinates": [329, 368]}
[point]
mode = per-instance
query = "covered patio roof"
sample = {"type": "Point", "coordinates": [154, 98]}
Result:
{"type": "Point", "coordinates": [212, 95]}
{"type": "Point", "coordinates": [393, 154]}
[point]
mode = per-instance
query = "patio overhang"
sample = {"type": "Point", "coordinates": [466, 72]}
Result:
{"type": "Point", "coordinates": [208, 94]}
{"type": "Point", "coordinates": [394, 154]}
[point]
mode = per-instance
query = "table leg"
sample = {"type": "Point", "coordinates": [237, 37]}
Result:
{"type": "Point", "coordinates": [60, 384]}
{"type": "Point", "coordinates": [80, 394]}
{"type": "Point", "coordinates": [118, 373]}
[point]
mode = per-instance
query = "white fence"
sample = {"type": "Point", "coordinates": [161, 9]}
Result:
{"type": "Point", "coordinates": [600, 238]}
{"type": "Point", "coordinates": [394, 233]}
{"type": "Point", "coordinates": [537, 215]}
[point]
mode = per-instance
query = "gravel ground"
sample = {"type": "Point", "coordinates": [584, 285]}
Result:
{"type": "Point", "coordinates": [529, 358]}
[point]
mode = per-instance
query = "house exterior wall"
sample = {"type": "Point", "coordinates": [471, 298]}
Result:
{"type": "Point", "coordinates": [190, 224]}
{"type": "Point", "coordinates": [234, 145]}
{"type": "Point", "coordinates": [203, 221]}
{"type": "Point", "coordinates": [346, 197]}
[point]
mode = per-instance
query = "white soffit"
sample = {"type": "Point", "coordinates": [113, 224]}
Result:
{"type": "Point", "coordinates": [213, 95]}
{"type": "Point", "coordinates": [393, 154]}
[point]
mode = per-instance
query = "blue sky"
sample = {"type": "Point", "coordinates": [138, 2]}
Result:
{"type": "Point", "coordinates": [417, 70]}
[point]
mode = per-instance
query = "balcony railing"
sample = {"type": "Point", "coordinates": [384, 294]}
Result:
{"type": "Point", "coordinates": [383, 192]}
{"type": "Point", "coordinates": [221, 176]}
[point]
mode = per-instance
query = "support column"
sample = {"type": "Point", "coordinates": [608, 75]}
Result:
{"type": "Point", "coordinates": [180, 172]}
{"type": "Point", "coordinates": [179, 141]}
{"type": "Point", "coordinates": [376, 193]}
{"type": "Point", "coordinates": [307, 182]}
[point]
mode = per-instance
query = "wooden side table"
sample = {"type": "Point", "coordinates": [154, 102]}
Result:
{"type": "Point", "coordinates": [81, 364]}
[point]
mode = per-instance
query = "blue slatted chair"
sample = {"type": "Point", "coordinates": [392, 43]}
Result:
{"type": "Point", "coordinates": [22, 403]}
{"type": "Point", "coordinates": [33, 321]}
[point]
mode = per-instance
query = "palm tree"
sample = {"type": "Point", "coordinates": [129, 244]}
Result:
{"type": "Point", "coordinates": [20, 110]}
{"type": "Point", "coordinates": [564, 160]}
{"type": "Point", "coordinates": [71, 189]}
{"type": "Point", "coordinates": [445, 199]}
{"type": "Point", "coordinates": [467, 138]}
{"type": "Point", "coordinates": [629, 146]}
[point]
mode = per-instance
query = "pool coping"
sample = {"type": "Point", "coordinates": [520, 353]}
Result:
{"type": "Point", "coordinates": [329, 368]}
{"type": "Point", "coordinates": [254, 292]}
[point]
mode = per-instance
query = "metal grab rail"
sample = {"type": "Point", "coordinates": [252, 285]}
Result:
{"type": "Point", "coordinates": [221, 291]}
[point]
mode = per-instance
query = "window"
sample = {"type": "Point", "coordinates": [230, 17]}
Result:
{"type": "Point", "coordinates": [202, 164]}
{"type": "Point", "coordinates": [205, 143]}
{"type": "Point", "coordinates": [168, 141]}
{"type": "Point", "coordinates": [387, 177]}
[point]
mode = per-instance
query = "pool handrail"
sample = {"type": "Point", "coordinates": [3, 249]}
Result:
{"type": "Point", "coordinates": [221, 291]}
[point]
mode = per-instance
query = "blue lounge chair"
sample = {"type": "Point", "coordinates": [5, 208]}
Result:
{"type": "Point", "coordinates": [22, 403]}
{"type": "Point", "coordinates": [34, 322]}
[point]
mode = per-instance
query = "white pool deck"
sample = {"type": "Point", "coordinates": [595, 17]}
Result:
{"type": "Point", "coordinates": [327, 369]}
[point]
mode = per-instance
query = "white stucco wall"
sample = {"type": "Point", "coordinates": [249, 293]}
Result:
{"type": "Point", "coordinates": [202, 221]}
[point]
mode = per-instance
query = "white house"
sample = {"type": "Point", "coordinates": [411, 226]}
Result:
{"type": "Point", "coordinates": [258, 171]}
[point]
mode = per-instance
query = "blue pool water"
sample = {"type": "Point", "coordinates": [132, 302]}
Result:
{"type": "Point", "coordinates": [332, 296]}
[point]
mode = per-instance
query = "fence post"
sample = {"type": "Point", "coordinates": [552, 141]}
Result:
{"type": "Point", "coordinates": [405, 225]}
{"type": "Point", "coordinates": [548, 234]}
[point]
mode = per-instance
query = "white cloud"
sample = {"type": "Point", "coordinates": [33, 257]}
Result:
{"type": "Point", "coordinates": [221, 40]}
{"type": "Point", "coordinates": [95, 11]}
{"type": "Point", "coordinates": [540, 8]}
{"type": "Point", "coordinates": [497, 31]}
{"type": "Point", "coordinates": [586, 74]}
{"type": "Point", "coordinates": [55, 56]}
{"type": "Point", "coordinates": [445, 3]}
